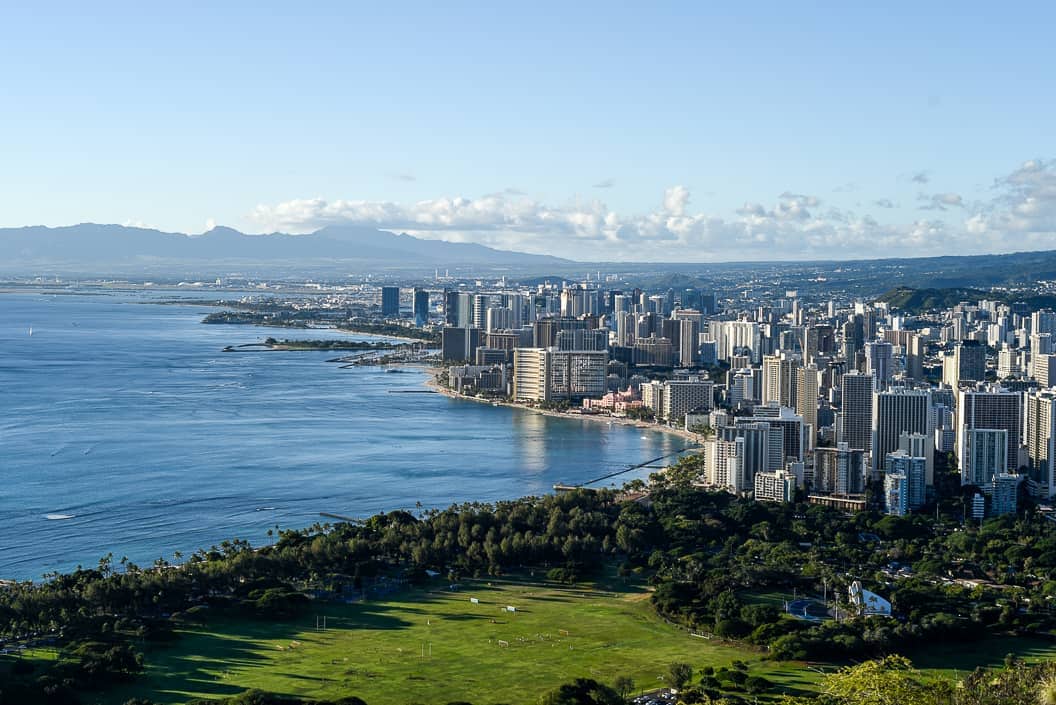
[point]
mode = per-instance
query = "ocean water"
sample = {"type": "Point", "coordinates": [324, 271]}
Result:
{"type": "Point", "coordinates": [124, 428]}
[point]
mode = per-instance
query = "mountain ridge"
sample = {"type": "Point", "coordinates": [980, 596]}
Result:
{"type": "Point", "coordinates": [97, 244]}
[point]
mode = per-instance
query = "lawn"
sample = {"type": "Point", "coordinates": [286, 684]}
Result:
{"type": "Point", "coordinates": [957, 660]}
{"type": "Point", "coordinates": [436, 646]}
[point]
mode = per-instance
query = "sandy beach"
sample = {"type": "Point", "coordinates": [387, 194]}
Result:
{"type": "Point", "coordinates": [597, 418]}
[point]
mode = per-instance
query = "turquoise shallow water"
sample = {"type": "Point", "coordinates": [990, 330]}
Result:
{"type": "Point", "coordinates": [124, 428]}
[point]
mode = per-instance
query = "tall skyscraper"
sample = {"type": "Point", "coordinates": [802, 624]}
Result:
{"type": "Point", "coordinates": [789, 444]}
{"type": "Point", "coordinates": [689, 343]}
{"type": "Point", "coordinates": [421, 307]}
{"type": "Point", "coordinates": [1043, 321]}
{"type": "Point", "coordinates": [899, 411]}
{"type": "Point", "coordinates": [1004, 498]}
{"type": "Point", "coordinates": [912, 468]}
{"type": "Point", "coordinates": [549, 374]}
{"type": "Point", "coordinates": [878, 361]}
{"type": "Point", "coordinates": [896, 494]}
{"type": "Point", "coordinates": [459, 344]}
{"type": "Point", "coordinates": [856, 412]}
{"type": "Point", "coordinates": [994, 408]}
{"type": "Point", "coordinates": [1040, 425]}
{"type": "Point", "coordinates": [450, 307]}
{"type": "Point", "coordinates": [390, 301]}
{"type": "Point", "coordinates": [481, 304]}
{"type": "Point", "coordinates": [1043, 368]}
{"type": "Point", "coordinates": [839, 470]}
{"type": "Point", "coordinates": [807, 400]}
{"type": "Point", "coordinates": [464, 310]}
{"type": "Point", "coordinates": [966, 363]}
{"type": "Point", "coordinates": [779, 379]}
{"type": "Point", "coordinates": [736, 453]}
{"type": "Point", "coordinates": [985, 455]}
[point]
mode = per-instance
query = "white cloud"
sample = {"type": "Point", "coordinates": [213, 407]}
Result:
{"type": "Point", "coordinates": [940, 201]}
{"type": "Point", "coordinates": [1024, 210]}
{"type": "Point", "coordinates": [794, 226]}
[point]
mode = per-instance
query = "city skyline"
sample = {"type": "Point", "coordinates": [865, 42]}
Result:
{"type": "Point", "coordinates": [681, 134]}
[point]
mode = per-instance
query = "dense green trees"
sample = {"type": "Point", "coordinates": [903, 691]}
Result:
{"type": "Point", "coordinates": [717, 563]}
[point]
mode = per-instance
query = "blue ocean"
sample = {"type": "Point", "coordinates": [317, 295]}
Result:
{"type": "Point", "coordinates": [124, 428]}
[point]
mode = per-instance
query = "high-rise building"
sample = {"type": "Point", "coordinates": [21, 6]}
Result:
{"type": "Point", "coordinates": [777, 486]}
{"type": "Point", "coordinates": [450, 307]}
{"type": "Point", "coordinates": [390, 301]}
{"type": "Point", "coordinates": [896, 494]}
{"type": "Point", "coordinates": [779, 379]}
{"type": "Point", "coordinates": [913, 349]}
{"type": "Point", "coordinates": [1004, 497]}
{"type": "Point", "coordinates": [1040, 425]}
{"type": "Point", "coordinates": [741, 387]}
{"type": "Point", "coordinates": [984, 455]}
{"type": "Point", "coordinates": [1043, 321]}
{"type": "Point", "coordinates": [549, 374]}
{"type": "Point", "coordinates": [807, 400]}
{"type": "Point", "coordinates": [792, 445]}
{"type": "Point", "coordinates": [675, 398]}
{"type": "Point", "coordinates": [481, 304]}
{"type": "Point", "coordinates": [573, 301]}
{"type": "Point", "coordinates": [583, 339]}
{"type": "Point", "coordinates": [1043, 368]}
{"type": "Point", "coordinates": [966, 363]}
{"type": "Point", "coordinates": [856, 412]}
{"type": "Point", "coordinates": [459, 344]}
{"type": "Point", "coordinates": [994, 408]}
{"type": "Point", "coordinates": [913, 469]}
{"type": "Point", "coordinates": [421, 307]}
{"type": "Point", "coordinates": [735, 454]}
{"type": "Point", "coordinates": [818, 340]}
{"type": "Point", "coordinates": [1008, 363]}
{"type": "Point", "coordinates": [689, 342]}
{"type": "Point", "coordinates": [878, 361]}
{"type": "Point", "coordinates": [496, 318]}
{"type": "Point", "coordinates": [465, 310]}
{"type": "Point", "coordinates": [899, 411]}
{"type": "Point", "coordinates": [839, 470]}
{"type": "Point", "coordinates": [736, 338]}
{"type": "Point", "coordinates": [653, 351]}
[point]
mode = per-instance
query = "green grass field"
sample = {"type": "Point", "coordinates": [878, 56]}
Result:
{"type": "Point", "coordinates": [435, 646]}
{"type": "Point", "coordinates": [375, 650]}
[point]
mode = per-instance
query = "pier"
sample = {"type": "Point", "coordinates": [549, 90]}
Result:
{"type": "Point", "coordinates": [559, 487]}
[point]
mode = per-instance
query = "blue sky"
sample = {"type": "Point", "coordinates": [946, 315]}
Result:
{"type": "Point", "coordinates": [593, 130]}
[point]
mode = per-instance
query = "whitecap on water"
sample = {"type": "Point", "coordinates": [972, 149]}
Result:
{"type": "Point", "coordinates": [59, 517]}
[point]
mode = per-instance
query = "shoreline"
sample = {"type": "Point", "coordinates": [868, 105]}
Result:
{"type": "Point", "coordinates": [602, 418]}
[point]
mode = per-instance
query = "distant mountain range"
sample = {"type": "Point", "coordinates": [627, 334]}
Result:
{"type": "Point", "coordinates": [92, 250]}
{"type": "Point", "coordinates": [111, 249]}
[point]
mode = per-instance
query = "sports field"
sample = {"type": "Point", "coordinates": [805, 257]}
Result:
{"type": "Point", "coordinates": [436, 646]}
